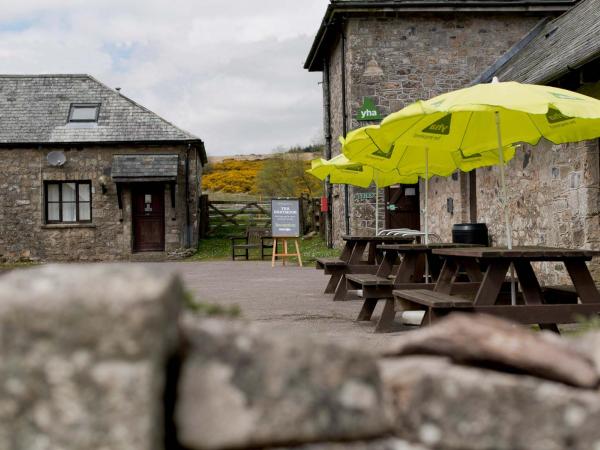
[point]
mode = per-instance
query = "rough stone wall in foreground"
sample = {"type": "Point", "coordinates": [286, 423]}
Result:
{"type": "Point", "coordinates": [98, 357]}
{"type": "Point", "coordinates": [24, 234]}
{"type": "Point", "coordinates": [83, 356]}
{"type": "Point", "coordinates": [421, 55]}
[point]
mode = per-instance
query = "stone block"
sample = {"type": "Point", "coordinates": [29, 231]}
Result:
{"type": "Point", "coordinates": [489, 341]}
{"type": "Point", "coordinates": [376, 444]}
{"type": "Point", "coordinates": [589, 344]}
{"type": "Point", "coordinates": [83, 353]}
{"type": "Point", "coordinates": [242, 388]}
{"type": "Point", "coordinates": [446, 406]}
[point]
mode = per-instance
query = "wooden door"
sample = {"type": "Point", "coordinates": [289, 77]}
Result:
{"type": "Point", "coordinates": [148, 214]}
{"type": "Point", "coordinates": [402, 207]}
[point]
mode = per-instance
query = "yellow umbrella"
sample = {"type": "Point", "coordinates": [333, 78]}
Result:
{"type": "Point", "coordinates": [422, 162]}
{"type": "Point", "coordinates": [341, 170]}
{"type": "Point", "coordinates": [478, 118]}
{"type": "Point", "coordinates": [471, 121]}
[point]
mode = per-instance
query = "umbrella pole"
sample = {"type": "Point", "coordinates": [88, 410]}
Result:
{"type": "Point", "coordinates": [426, 212]}
{"type": "Point", "coordinates": [426, 196]}
{"type": "Point", "coordinates": [513, 293]}
{"type": "Point", "coordinates": [376, 210]}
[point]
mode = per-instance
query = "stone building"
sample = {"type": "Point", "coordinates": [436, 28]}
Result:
{"type": "Point", "coordinates": [553, 189]}
{"type": "Point", "coordinates": [379, 56]}
{"type": "Point", "coordinates": [88, 174]}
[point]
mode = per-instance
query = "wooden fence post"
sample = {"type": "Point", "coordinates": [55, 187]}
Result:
{"type": "Point", "coordinates": [204, 218]}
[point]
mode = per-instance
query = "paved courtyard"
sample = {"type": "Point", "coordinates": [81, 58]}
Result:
{"type": "Point", "coordinates": [285, 299]}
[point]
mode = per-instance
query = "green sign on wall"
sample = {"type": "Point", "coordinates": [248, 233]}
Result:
{"type": "Point", "coordinates": [368, 111]}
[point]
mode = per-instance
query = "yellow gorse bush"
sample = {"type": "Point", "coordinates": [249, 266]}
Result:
{"type": "Point", "coordinates": [280, 175]}
{"type": "Point", "coordinates": [232, 176]}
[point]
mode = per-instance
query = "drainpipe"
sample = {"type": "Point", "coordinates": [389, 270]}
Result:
{"type": "Point", "coordinates": [345, 123]}
{"type": "Point", "coordinates": [328, 190]}
{"type": "Point", "coordinates": [188, 228]}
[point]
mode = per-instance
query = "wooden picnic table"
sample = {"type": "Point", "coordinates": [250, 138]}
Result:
{"type": "Point", "coordinates": [409, 274]}
{"type": "Point", "coordinates": [353, 252]}
{"type": "Point", "coordinates": [351, 259]}
{"type": "Point", "coordinates": [490, 298]}
{"type": "Point", "coordinates": [355, 246]}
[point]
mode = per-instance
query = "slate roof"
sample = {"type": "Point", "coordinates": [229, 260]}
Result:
{"type": "Point", "coordinates": [560, 46]}
{"type": "Point", "coordinates": [35, 109]}
{"type": "Point", "coordinates": [339, 9]}
{"type": "Point", "coordinates": [144, 166]}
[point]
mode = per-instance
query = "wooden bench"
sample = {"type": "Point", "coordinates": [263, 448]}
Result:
{"type": "Point", "coordinates": [337, 268]}
{"type": "Point", "coordinates": [367, 279]}
{"type": "Point", "coordinates": [376, 288]}
{"type": "Point", "coordinates": [556, 294]}
{"type": "Point", "coordinates": [372, 287]}
{"type": "Point", "coordinates": [254, 237]}
{"type": "Point", "coordinates": [435, 304]}
{"type": "Point", "coordinates": [329, 265]}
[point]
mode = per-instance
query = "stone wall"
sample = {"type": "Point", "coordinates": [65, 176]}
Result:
{"type": "Point", "coordinates": [553, 200]}
{"type": "Point", "coordinates": [364, 209]}
{"type": "Point", "coordinates": [420, 56]}
{"type": "Point", "coordinates": [441, 192]}
{"type": "Point", "coordinates": [337, 129]}
{"type": "Point", "coordinates": [102, 357]}
{"type": "Point", "coordinates": [25, 235]}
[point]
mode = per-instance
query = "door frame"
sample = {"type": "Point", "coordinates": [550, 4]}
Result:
{"type": "Point", "coordinates": [134, 191]}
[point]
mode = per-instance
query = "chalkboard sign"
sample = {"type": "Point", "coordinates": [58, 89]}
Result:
{"type": "Point", "coordinates": [285, 218]}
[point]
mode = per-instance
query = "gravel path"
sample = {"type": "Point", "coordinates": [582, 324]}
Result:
{"type": "Point", "coordinates": [285, 299]}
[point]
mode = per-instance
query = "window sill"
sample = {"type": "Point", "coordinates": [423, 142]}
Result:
{"type": "Point", "coordinates": [54, 226]}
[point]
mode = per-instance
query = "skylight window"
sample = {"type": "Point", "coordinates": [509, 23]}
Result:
{"type": "Point", "coordinates": [87, 112]}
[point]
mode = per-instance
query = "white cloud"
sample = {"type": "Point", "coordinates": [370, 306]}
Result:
{"type": "Point", "coordinates": [230, 72]}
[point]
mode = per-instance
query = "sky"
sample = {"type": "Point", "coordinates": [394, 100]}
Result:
{"type": "Point", "coordinates": [230, 72]}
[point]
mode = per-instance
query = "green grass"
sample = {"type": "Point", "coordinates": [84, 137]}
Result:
{"type": "Point", "coordinates": [209, 309]}
{"type": "Point", "coordinates": [316, 247]}
{"type": "Point", "coordinates": [18, 265]}
{"type": "Point", "coordinates": [584, 325]}
{"type": "Point", "coordinates": [214, 249]}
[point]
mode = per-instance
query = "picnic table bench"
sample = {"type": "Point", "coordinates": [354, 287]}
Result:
{"type": "Point", "coordinates": [254, 237]}
{"type": "Point", "coordinates": [411, 273]}
{"type": "Point", "coordinates": [536, 305]}
{"type": "Point", "coordinates": [352, 260]}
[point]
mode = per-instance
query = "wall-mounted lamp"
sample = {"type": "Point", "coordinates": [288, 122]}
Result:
{"type": "Point", "coordinates": [103, 183]}
{"type": "Point", "coordinates": [372, 69]}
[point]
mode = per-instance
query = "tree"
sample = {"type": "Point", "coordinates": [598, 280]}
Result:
{"type": "Point", "coordinates": [284, 175]}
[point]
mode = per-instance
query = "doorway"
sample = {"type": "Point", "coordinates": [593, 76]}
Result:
{"type": "Point", "coordinates": [402, 208]}
{"type": "Point", "coordinates": [148, 217]}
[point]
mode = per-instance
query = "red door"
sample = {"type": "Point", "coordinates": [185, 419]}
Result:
{"type": "Point", "coordinates": [402, 207]}
{"type": "Point", "coordinates": [148, 214]}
